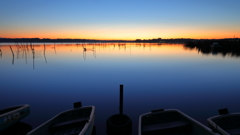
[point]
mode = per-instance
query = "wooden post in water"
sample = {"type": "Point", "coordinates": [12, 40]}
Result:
{"type": "Point", "coordinates": [12, 51]}
{"type": "Point", "coordinates": [119, 124]}
{"type": "Point", "coordinates": [12, 54]}
{"type": "Point", "coordinates": [33, 52]}
{"type": "Point", "coordinates": [121, 100]}
{"type": "Point", "coordinates": [45, 53]}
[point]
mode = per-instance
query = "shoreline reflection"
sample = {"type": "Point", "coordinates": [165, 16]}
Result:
{"type": "Point", "coordinates": [228, 50]}
{"type": "Point", "coordinates": [44, 51]}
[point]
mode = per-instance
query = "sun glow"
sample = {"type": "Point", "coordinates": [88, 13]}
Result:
{"type": "Point", "coordinates": [121, 33]}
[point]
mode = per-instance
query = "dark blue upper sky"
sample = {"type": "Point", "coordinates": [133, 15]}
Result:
{"type": "Point", "coordinates": [120, 19]}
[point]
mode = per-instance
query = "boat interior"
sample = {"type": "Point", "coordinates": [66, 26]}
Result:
{"type": "Point", "coordinates": [70, 123]}
{"type": "Point", "coordinates": [165, 123]}
{"type": "Point", "coordinates": [229, 123]}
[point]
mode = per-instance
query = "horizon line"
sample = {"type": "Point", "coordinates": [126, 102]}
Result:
{"type": "Point", "coordinates": [120, 39]}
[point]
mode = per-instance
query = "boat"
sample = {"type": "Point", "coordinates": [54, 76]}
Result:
{"type": "Point", "coordinates": [170, 121]}
{"type": "Point", "coordinates": [76, 121]}
{"type": "Point", "coordinates": [225, 123]}
{"type": "Point", "coordinates": [11, 115]}
{"type": "Point", "coordinates": [215, 45]}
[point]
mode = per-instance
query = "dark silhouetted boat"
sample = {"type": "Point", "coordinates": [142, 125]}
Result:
{"type": "Point", "coordinates": [11, 115]}
{"type": "Point", "coordinates": [225, 123]}
{"type": "Point", "coordinates": [77, 121]}
{"type": "Point", "coordinates": [170, 122]}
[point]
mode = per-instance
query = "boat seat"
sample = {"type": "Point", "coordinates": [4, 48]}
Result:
{"type": "Point", "coordinates": [169, 127]}
{"type": "Point", "coordinates": [235, 131]}
{"type": "Point", "coordinates": [67, 126]}
{"type": "Point", "coordinates": [69, 131]}
{"type": "Point", "coordinates": [65, 123]}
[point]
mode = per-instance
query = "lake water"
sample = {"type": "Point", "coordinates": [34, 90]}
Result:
{"type": "Point", "coordinates": [51, 77]}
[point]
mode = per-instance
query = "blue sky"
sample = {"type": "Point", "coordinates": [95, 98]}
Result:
{"type": "Point", "coordinates": [120, 19]}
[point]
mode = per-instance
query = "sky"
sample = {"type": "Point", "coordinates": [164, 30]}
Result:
{"type": "Point", "coordinates": [120, 19]}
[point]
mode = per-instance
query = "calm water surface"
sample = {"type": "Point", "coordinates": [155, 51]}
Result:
{"type": "Point", "coordinates": [51, 77]}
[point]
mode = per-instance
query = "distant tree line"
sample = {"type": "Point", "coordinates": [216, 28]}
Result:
{"type": "Point", "coordinates": [188, 41]}
{"type": "Point", "coordinates": [227, 46]}
{"type": "Point", "coordinates": [160, 40]}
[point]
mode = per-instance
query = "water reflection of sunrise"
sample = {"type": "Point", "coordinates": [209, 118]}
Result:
{"type": "Point", "coordinates": [155, 76]}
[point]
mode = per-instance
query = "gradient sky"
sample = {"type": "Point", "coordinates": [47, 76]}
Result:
{"type": "Point", "coordinates": [119, 19]}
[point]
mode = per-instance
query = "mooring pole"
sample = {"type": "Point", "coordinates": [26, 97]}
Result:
{"type": "Point", "coordinates": [119, 124]}
{"type": "Point", "coordinates": [121, 100]}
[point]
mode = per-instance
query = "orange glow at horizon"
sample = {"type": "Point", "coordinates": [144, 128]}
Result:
{"type": "Point", "coordinates": [118, 34]}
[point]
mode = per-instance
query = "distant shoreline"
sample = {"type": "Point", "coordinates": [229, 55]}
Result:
{"type": "Point", "coordinates": [159, 40]}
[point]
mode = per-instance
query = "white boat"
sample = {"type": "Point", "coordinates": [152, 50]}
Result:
{"type": "Point", "coordinates": [225, 123]}
{"type": "Point", "coordinates": [77, 121]}
{"type": "Point", "coordinates": [215, 45]}
{"type": "Point", "coordinates": [11, 115]}
{"type": "Point", "coordinates": [170, 122]}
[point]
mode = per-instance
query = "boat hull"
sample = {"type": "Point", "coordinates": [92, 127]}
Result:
{"type": "Point", "coordinates": [170, 121]}
{"type": "Point", "coordinates": [11, 115]}
{"type": "Point", "coordinates": [226, 124]}
{"type": "Point", "coordinates": [81, 120]}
